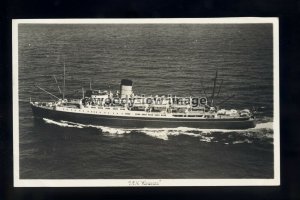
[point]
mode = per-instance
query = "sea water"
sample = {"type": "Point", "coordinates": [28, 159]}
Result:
{"type": "Point", "coordinates": [159, 59]}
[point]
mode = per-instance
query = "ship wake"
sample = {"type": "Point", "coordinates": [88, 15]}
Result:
{"type": "Point", "coordinates": [262, 133]}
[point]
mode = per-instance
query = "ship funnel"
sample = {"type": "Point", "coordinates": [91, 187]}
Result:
{"type": "Point", "coordinates": [126, 88]}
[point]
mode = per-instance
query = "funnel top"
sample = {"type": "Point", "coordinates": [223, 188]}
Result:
{"type": "Point", "coordinates": [126, 82]}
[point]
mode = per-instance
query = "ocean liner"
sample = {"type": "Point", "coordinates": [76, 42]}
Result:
{"type": "Point", "coordinates": [125, 109]}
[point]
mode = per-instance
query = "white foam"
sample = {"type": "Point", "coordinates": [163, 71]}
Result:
{"type": "Point", "coordinates": [115, 131]}
{"type": "Point", "coordinates": [266, 125]}
{"type": "Point", "coordinates": [61, 123]}
{"type": "Point", "coordinates": [106, 129]}
{"type": "Point", "coordinates": [206, 139]}
{"type": "Point", "coordinates": [242, 141]}
{"type": "Point", "coordinates": [164, 133]}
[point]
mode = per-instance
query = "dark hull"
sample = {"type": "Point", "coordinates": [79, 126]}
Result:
{"type": "Point", "coordinates": [132, 122]}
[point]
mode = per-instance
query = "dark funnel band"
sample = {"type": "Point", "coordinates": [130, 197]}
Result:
{"type": "Point", "coordinates": [126, 82]}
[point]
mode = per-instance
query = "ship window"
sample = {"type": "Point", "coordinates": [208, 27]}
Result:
{"type": "Point", "coordinates": [122, 109]}
{"type": "Point", "coordinates": [127, 113]}
{"type": "Point", "coordinates": [199, 115]}
{"type": "Point", "coordinates": [150, 114]}
{"type": "Point", "coordinates": [157, 115]}
{"type": "Point", "coordinates": [137, 114]}
{"type": "Point", "coordinates": [107, 108]}
{"type": "Point", "coordinates": [144, 114]}
{"type": "Point", "coordinates": [192, 115]}
{"type": "Point", "coordinates": [115, 108]}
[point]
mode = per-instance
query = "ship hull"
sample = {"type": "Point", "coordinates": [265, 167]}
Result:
{"type": "Point", "coordinates": [134, 122]}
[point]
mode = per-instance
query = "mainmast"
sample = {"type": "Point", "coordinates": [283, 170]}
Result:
{"type": "Point", "coordinates": [82, 93]}
{"type": "Point", "coordinates": [90, 84]}
{"type": "Point", "coordinates": [220, 88]}
{"type": "Point", "coordinates": [213, 92]}
{"type": "Point", "coordinates": [203, 89]}
{"type": "Point", "coordinates": [64, 81]}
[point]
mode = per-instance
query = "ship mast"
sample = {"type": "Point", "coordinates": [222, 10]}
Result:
{"type": "Point", "coordinates": [90, 84]}
{"type": "Point", "coordinates": [82, 93]}
{"type": "Point", "coordinates": [64, 81]}
{"type": "Point", "coordinates": [213, 92]}
{"type": "Point", "coordinates": [203, 89]}
{"type": "Point", "coordinates": [220, 88]}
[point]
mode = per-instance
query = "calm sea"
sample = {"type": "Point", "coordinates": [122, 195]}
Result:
{"type": "Point", "coordinates": [160, 59]}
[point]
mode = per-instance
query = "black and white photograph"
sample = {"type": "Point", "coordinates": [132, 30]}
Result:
{"type": "Point", "coordinates": [146, 102]}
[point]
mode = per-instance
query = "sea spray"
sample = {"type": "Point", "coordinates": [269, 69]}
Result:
{"type": "Point", "coordinates": [262, 132]}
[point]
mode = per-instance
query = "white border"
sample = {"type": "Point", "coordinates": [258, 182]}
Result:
{"type": "Point", "coordinates": [145, 182]}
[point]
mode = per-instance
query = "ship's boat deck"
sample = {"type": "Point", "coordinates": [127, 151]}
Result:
{"type": "Point", "coordinates": [124, 111]}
